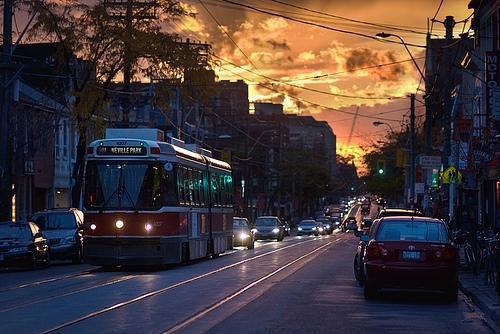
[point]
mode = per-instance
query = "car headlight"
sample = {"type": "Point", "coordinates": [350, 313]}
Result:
{"type": "Point", "coordinates": [314, 228]}
{"type": "Point", "coordinates": [300, 228]}
{"type": "Point", "coordinates": [327, 226]}
{"type": "Point", "coordinates": [19, 249]}
{"type": "Point", "coordinates": [320, 229]}
{"type": "Point", "coordinates": [244, 236]}
{"type": "Point", "coordinates": [276, 230]}
{"type": "Point", "coordinates": [254, 230]}
{"type": "Point", "coordinates": [119, 224]}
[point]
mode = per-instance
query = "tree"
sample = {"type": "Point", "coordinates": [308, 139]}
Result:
{"type": "Point", "coordinates": [94, 35]}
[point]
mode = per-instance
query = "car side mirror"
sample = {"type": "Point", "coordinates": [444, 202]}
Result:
{"type": "Point", "coordinates": [365, 238]}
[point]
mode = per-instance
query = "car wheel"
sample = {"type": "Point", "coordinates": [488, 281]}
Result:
{"type": "Point", "coordinates": [34, 261]}
{"type": "Point", "coordinates": [369, 291]}
{"type": "Point", "coordinates": [78, 257]}
{"type": "Point", "coordinates": [356, 267]}
{"type": "Point", "coordinates": [47, 260]}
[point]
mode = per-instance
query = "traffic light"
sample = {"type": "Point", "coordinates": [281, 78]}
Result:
{"type": "Point", "coordinates": [381, 167]}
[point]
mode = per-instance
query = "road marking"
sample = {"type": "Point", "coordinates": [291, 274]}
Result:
{"type": "Point", "coordinates": [242, 290]}
{"type": "Point", "coordinates": [165, 289]}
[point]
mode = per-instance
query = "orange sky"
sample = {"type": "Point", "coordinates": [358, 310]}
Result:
{"type": "Point", "coordinates": [286, 50]}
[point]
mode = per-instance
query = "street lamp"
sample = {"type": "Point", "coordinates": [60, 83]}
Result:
{"type": "Point", "coordinates": [384, 35]}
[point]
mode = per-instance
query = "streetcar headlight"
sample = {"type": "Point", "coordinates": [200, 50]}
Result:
{"type": "Point", "coordinates": [93, 227]}
{"type": "Point", "coordinates": [119, 223]}
{"type": "Point", "coordinates": [244, 236]}
{"type": "Point", "coordinates": [148, 227]}
{"type": "Point", "coordinates": [276, 230]}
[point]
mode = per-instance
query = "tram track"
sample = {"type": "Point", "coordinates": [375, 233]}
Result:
{"type": "Point", "coordinates": [156, 292]}
{"type": "Point", "coordinates": [49, 280]}
{"type": "Point", "coordinates": [46, 299]}
{"type": "Point", "coordinates": [189, 320]}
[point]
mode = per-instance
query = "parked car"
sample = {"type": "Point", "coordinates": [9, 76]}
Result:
{"type": "Point", "coordinates": [393, 212]}
{"type": "Point", "coordinates": [64, 229]}
{"type": "Point", "coordinates": [22, 244]}
{"type": "Point", "coordinates": [268, 227]}
{"type": "Point", "coordinates": [307, 227]}
{"type": "Point", "coordinates": [327, 225]}
{"type": "Point", "coordinates": [242, 236]}
{"type": "Point", "coordinates": [410, 252]}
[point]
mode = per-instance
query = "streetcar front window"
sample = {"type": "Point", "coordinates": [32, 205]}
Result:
{"type": "Point", "coordinates": [131, 186]}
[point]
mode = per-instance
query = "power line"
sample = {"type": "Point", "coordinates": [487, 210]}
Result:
{"type": "Point", "coordinates": [227, 34]}
{"type": "Point", "coordinates": [347, 19]}
{"type": "Point", "coordinates": [256, 9]}
{"type": "Point", "coordinates": [353, 70]}
{"type": "Point", "coordinates": [307, 88]}
{"type": "Point", "coordinates": [311, 103]}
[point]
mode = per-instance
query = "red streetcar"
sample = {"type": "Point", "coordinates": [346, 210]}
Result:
{"type": "Point", "coordinates": [149, 202]}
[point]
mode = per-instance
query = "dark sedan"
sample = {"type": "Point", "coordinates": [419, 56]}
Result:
{"type": "Point", "coordinates": [64, 229]}
{"type": "Point", "coordinates": [410, 252]}
{"type": "Point", "coordinates": [22, 244]}
{"type": "Point", "coordinates": [268, 227]}
{"type": "Point", "coordinates": [307, 227]}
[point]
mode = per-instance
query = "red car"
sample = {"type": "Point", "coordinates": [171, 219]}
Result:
{"type": "Point", "coordinates": [410, 252]}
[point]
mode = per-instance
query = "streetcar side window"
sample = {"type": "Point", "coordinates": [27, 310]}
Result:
{"type": "Point", "coordinates": [180, 185]}
{"type": "Point", "coordinates": [168, 188]}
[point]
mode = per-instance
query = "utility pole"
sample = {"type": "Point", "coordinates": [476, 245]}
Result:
{"type": "Point", "coordinates": [428, 112]}
{"type": "Point", "coordinates": [449, 24]}
{"type": "Point", "coordinates": [5, 146]}
{"type": "Point", "coordinates": [127, 11]}
{"type": "Point", "coordinates": [412, 150]}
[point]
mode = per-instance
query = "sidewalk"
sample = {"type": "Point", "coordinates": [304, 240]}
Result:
{"type": "Point", "coordinates": [483, 295]}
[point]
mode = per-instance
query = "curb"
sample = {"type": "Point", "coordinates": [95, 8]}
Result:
{"type": "Point", "coordinates": [491, 313]}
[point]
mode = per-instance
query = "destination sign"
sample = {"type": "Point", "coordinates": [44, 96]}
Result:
{"type": "Point", "coordinates": [121, 150]}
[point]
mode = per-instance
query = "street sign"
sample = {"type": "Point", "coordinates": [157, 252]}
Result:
{"type": "Point", "coordinates": [492, 74]}
{"type": "Point", "coordinates": [435, 178]}
{"type": "Point", "coordinates": [430, 161]}
{"type": "Point", "coordinates": [451, 175]}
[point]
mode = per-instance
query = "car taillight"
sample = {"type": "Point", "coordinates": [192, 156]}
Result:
{"type": "Point", "coordinates": [155, 150]}
{"type": "Point", "coordinates": [375, 251]}
{"type": "Point", "coordinates": [448, 253]}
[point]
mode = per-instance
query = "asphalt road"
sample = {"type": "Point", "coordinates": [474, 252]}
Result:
{"type": "Point", "coordinates": [300, 285]}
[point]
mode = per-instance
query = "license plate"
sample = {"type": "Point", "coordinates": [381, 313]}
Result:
{"type": "Point", "coordinates": [411, 255]}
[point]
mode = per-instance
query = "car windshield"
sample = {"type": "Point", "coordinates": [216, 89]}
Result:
{"type": "Point", "coordinates": [239, 223]}
{"type": "Point", "coordinates": [406, 230]}
{"type": "Point", "coordinates": [55, 221]}
{"type": "Point", "coordinates": [117, 185]}
{"type": "Point", "coordinates": [16, 232]}
{"type": "Point", "coordinates": [265, 222]}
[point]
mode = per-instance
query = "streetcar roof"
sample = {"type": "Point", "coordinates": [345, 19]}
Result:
{"type": "Point", "coordinates": [164, 149]}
